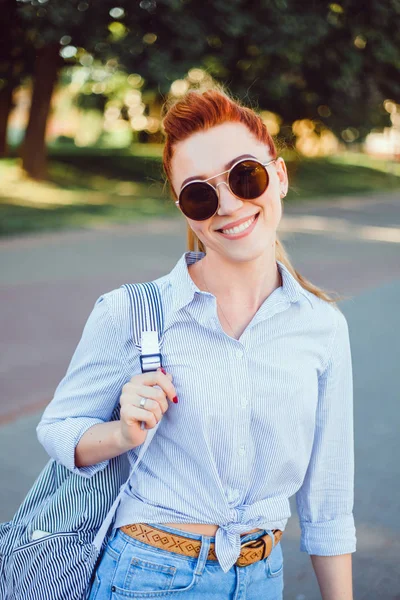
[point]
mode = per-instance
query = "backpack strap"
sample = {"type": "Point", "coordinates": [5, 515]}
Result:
{"type": "Point", "coordinates": [146, 308]}
{"type": "Point", "coordinates": [147, 330]}
{"type": "Point", "coordinates": [147, 324]}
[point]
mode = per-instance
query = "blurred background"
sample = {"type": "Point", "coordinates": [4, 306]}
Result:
{"type": "Point", "coordinates": [84, 207]}
{"type": "Point", "coordinates": [82, 85]}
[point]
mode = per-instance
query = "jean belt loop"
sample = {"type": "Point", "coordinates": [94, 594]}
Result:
{"type": "Point", "coordinates": [271, 535]}
{"type": "Point", "coordinates": [113, 534]}
{"type": "Point", "coordinates": [202, 558]}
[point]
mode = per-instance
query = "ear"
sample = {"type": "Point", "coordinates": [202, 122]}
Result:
{"type": "Point", "coordinates": [281, 171]}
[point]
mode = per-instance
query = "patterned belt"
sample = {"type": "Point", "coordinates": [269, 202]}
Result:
{"type": "Point", "coordinates": [251, 551]}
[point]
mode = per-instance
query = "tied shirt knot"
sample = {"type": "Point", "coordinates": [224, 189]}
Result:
{"type": "Point", "coordinates": [227, 538]}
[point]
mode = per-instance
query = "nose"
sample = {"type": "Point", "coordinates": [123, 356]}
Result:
{"type": "Point", "coordinates": [228, 203]}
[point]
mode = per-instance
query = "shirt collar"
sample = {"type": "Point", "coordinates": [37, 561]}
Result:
{"type": "Point", "coordinates": [291, 287]}
{"type": "Point", "coordinates": [184, 287]}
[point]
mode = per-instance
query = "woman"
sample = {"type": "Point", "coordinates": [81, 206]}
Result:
{"type": "Point", "coordinates": [260, 360]}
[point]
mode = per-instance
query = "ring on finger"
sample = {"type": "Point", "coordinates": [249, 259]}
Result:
{"type": "Point", "coordinates": [143, 402]}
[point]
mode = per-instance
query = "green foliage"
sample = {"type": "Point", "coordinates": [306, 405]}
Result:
{"type": "Point", "coordinates": [15, 59]}
{"type": "Point", "coordinates": [282, 55]}
{"type": "Point", "coordinates": [285, 56]}
{"type": "Point", "coordinates": [92, 102]}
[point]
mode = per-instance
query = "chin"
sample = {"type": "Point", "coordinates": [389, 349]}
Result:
{"type": "Point", "coordinates": [240, 255]}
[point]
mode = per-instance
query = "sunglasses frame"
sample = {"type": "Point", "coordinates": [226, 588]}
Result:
{"type": "Point", "coordinates": [215, 187]}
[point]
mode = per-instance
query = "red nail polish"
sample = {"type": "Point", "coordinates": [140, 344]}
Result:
{"type": "Point", "coordinates": [175, 399]}
{"type": "Point", "coordinates": [163, 370]}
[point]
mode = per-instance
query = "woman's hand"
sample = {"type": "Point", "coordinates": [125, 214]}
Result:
{"type": "Point", "coordinates": [131, 414]}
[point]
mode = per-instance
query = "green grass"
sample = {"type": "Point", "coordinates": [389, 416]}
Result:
{"type": "Point", "coordinates": [338, 176]}
{"type": "Point", "coordinates": [89, 187]}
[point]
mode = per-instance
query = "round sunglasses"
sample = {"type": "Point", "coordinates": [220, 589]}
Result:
{"type": "Point", "coordinates": [247, 179]}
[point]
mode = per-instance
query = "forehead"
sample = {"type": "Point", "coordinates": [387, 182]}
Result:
{"type": "Point", "coordinates": [207, 152]}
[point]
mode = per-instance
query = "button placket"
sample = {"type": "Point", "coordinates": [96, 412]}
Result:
{"type": "Point", "coordinates": [240, 385]}
{"type": "Point", "coordinates": [243, 425]}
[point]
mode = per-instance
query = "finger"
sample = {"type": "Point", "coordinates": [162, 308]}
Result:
{"type": "Point", "coordinates": [165, 373]}
{"type": "Point", "coordinates": [155, 394]}
{"type": "Point", "coordinates": [157, 378]}
{"type": "Point", "coordinates": [151, 405]}
{"type": "Point", "coordinates": [131, 414]}
{"type": "Point", "coordinates": [133, 392]}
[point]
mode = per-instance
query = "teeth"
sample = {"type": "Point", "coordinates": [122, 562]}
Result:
{"type": "Point", "coordinates": [239, 228]}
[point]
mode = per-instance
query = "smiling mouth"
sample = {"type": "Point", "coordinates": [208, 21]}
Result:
{"type": "Point", "coordinates": [241, 227]}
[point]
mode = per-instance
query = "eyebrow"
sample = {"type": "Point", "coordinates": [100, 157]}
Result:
{"type": "Point", "coordinates": [227, 166]}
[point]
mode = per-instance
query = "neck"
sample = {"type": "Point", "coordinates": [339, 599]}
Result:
{"type": "Point", "coordinates": [244, 284]}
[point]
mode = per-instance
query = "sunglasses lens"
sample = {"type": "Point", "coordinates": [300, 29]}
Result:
{"type": "Point", "coordinates": [198, 201]}
{"type": "Point", "coordinates": [248, 179]}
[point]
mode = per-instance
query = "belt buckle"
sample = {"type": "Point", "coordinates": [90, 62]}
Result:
{"type": "Point", "coordinates": [255, 544]}
{"type": "Point", "coordinates": [250, 542]}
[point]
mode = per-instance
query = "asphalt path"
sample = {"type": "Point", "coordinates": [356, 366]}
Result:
{"type": "Point", "coordinates": [50, 282]}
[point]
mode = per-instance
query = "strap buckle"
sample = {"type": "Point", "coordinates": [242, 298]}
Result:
{"type": "Point", "coordinates": [150, 362]}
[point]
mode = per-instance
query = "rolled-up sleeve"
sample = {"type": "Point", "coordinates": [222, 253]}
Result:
{"type": "Point", "coordinates": [89, 391]}
{"type": "Point", "coordinates": [326, 497]}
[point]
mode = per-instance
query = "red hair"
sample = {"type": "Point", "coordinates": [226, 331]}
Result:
{"type": "Point", "coordinates": [201, 110]}
{"type": "Point", "coordinates": [198, 111]}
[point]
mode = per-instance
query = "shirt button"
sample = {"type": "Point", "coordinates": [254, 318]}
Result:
{"type": "Point", "coordinates": [242, 451]}
{"type": "Point", "coordinates": [243, 403]}
{"type": "Point", "coordinates": [239, 353]}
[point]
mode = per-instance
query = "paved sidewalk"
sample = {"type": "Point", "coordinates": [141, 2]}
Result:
{"type": "Point", "coordinates": [48, 286]}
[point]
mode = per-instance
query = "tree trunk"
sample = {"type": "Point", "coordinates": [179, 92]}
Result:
{"type": "Point", "coordinates": [33, 151]}
{"type": "Point", "coordinates": [5, 109]}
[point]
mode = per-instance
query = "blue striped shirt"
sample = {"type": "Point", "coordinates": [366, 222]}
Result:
{"type": "Point", "coordinates": [259, 419]}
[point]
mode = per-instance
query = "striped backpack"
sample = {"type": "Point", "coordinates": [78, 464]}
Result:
{"type": "Point", "coordinates": [51, 548]}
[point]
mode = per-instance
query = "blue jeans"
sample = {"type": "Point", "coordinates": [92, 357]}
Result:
{"type": "Point", "coordinates": [130, 568]}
